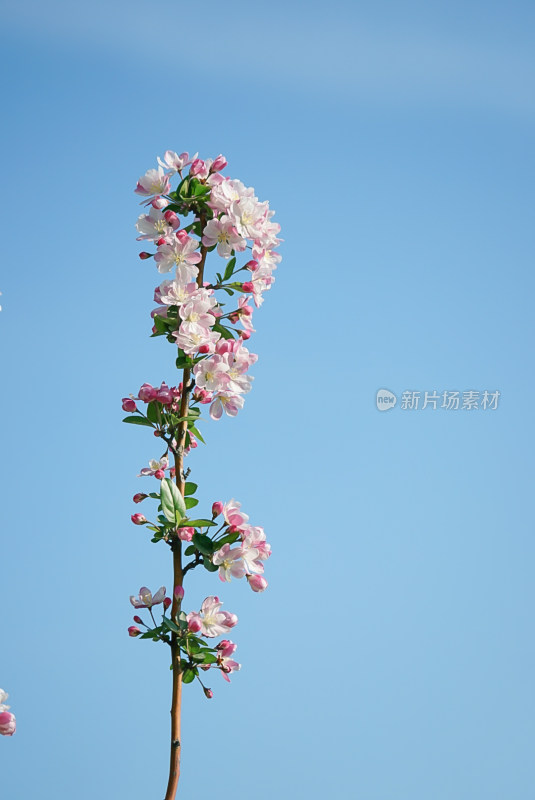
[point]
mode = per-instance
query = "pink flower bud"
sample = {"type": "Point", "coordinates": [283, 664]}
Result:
{"type": "Point", "coordinates": [156, 433]}
{"type": "Point", "coordinates": [133, 631]}
{"type": "Point", "coordinates": [219, 163]}
{"type": "Point", "coordinates": [204, 348]}
{"type": "Point", "coordinates": [245, 335]}
{"type": "Point", "coordinates": [252, 265]}
{"type": "Point", "coordinates": [179, 592]}
{"type": "Point", "coordinates": [138, 519]}
{"type": "Point", "coordinates": [138, 620]}
{"type": "Point", "coordinates": [217, 508]}
{"type": "Point", "coordinates": [147, 393]}
{"type": "Point", "coordinates": [144, 255]}
{"type": "Point", "coordinates": [194, 625]}
{"type": "Point", "coordinates": [129, 404]}
{"type": "Point", "coordinates": [197, 167]}
{"type": "Point", "coordinates": [257, 583]}
{"type": "Point", "coordinates": [182, 236]}
{"type": "Point", "coordinates": [186, 534]}
{"type": "Point", "coordinates": [247, 286]}
{"type": "Point", "coordinates": [172, 472]}
{"type": "Point", "coordinates": [159, 202]}
{"type": "Point", "coordinates": [167, 602]}
{"type": "Point", "coordinates": [159, 474]}
{"type": "Point", "coordinates": [208, 693]}
{"type": "Point", "coordinates": [172, 219]}
{"type": "Point", "coordinates": [160, 241]}
{"type": "Point", "coordinates": [137, 498]}
{"type": "Point", "coordinates": [8, 724]}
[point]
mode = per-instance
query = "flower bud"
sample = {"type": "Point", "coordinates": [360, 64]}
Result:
{"type": "Point", "coordinates": [182, 236]}
{"type": "Point", "coordinates": [252, 265]}
{"type": "Point", "coordinates": [186, 534]}
{"type": "Point", "coordinates": [217, 508]}
{"type": "Point", "coordinates": [137, 498]}
{"type": "Point", "coordinates": [219, 163]}
{"type": "Point", "coordinates": [160, 474]}
{"type": "Point", "coordinates": [147, 393]}
{"type": "Point", "coordinates": [8, 723]}
{"type": "Point", "coordinates": [172, 219]}
{"type": "Point", "coordinates": [245, 335]}
{"type": "Point", "coordinates": [133, 631]}
{"type": "Point", "coordinates": [257, 583]}
{"type": "Point", "coordinates": [247, 286]}
{"type": "Point", "coordinates": [138, 519]}
{"type": "Point", "coordinates": [129, 404]}
{"type": "Point", "coordinates": [179, 592]}
{"type": "Point", "coordinates": [138, 620]}
{"type": "Point", "coordinates": [161, 241]}
{"type": "Point", "coordinates": [204, 348]}
{"type": "Point", "coordinates": [167, 602]}
{"type": "Point", "coordinates": [144, 255]}
{"type": "Point", "coordinates": [159, 202]}
{"type": "Point", "coordinates": [208, 692]}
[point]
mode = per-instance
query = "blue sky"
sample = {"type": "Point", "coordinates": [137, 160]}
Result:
{"type": "Point", "coordinates": [392, 657]}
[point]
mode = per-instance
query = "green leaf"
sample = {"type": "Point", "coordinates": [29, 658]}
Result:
{"type": "Point", "coordinates": [229, 539]}
{"type": "Point", "coordinates": [171, 500]}
{"type": "Point", "coordinates": [170, 625]}
{"type": "Point", "coordinates": [189, 675]}
{"type": "Point", "coordinates": [209, 566]}
{"type": "Point", "coordinates": [191, 502]}
{"type": "Point", "coordinates": [138, 421]}
{"type": "Point", "coordinates": [189, 551]}
{"type": "Point", "coordinates": [190, 488]}
{"type": "Point", "coordinates": [183, 363]}
{"type": "Point", "coordinates": [230, 269]}
{"type": "Point", "coordinates": [209, 658]}
{"type": "Point", "coordinates": [197, 523]}
{"type": "Point", "coordinates": [203, 544]}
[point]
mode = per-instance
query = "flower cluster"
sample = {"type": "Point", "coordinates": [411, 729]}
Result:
{"type": "Point", "coordinates": [8, 724]}
{"type": "Point", "coordinates": [230, 219]}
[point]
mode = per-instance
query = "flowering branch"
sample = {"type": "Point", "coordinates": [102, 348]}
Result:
{"type": "Point", "coordinates": [229, 219]}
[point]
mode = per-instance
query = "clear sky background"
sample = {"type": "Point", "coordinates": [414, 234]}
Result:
{"type": "Point", "coordinates": [392, 657]}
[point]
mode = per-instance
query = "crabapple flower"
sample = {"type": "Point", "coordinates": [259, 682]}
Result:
{"type": "Point", "coordinates": [223, 233]}
{"type": "Point", "coordinates": [133, 631]}
{"type": "Point", "coordinates": [155, 226]}
{"type": "Point", "coordinates": [230, 563]}
{"type": "Point", "coordinates": [138, 519]}
{"type": "Point", "coordinates": [145, 599]}
{"type": "Point", "coordinates": [153, 182]}
{"type": "Point", "coordinates": [180, 252]}
{"type": "Point", "coordinates": [228, 402]}
{"type": "Point", "coordinates": [191, 336]}
{"type": "Point", "coordinates": [232, 514]}
{"type": "Point", "coordinates": [129, 404]}
{"type": "Point", "coordinates": [175, 162]}
{"type": "Point", "coordinates": [155, 467]}
{"type": "Point", "coordinates": [212, 621]}
{"type": "Point", "coordinates": [217, 508]}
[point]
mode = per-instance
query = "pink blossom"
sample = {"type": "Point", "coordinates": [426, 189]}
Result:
{"type": "Point", "coordinates": [145, 599]}
{"type": "Point", "coordinates": [179, 252]}
{"type": "Point", "coordinates": [230, 563]}
{"type": "Point", "coordinates": [129, 404]}
{"type": "Point", "coordinates": [199, 168]}
{"type": "Point", "coordinates": [154, 467]}
{"type": "Point", "coordinates": [219, 163]}
{"type": "Point", "coordinates": [153, 182]}
{"type": "Point", "coordinates": [191, 336]}
{"type": "Point", "coordinates": [212, 621]}
{"type": "Point", "coordinates": [174, 162]}
{"type": "Point", "coordinates": [227, 402]}
{"type": "Point", "coordinates": [223, 233]}
{"type": "Point", "coordinates": [233, 515]}
{"type": "Point", "coordinates": [154, 226]}
{"type": "Point", "coordinates": [179, 592]}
